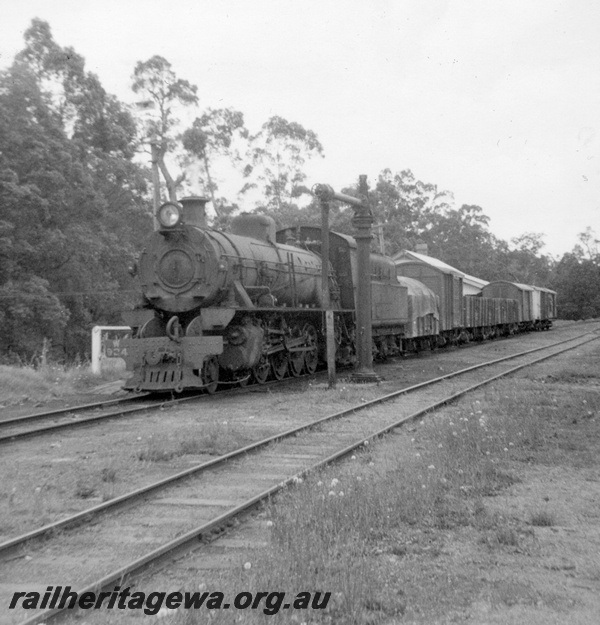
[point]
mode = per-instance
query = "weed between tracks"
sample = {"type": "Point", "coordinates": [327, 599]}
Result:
{"type": "Point", "coordinates": [375, 531]}
{"type": "Point", "coordinates": [215, 438]}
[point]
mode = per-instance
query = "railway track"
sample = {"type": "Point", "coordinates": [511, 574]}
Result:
{"type": "Point", "coordinates": [30, 418]}
{"type": "Point", "coordinates": [26, 426]}
{"type": "Point", "coordinates": [172, 515]}
{"type": "Point", "coordinates": [18, 428]}
{"type": "Point", "coordinates": [15, 429]}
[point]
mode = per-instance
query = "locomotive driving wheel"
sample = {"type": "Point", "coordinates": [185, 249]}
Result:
{"type": "Point", "coordinates": [311, 357]}
{"type": "Point", "coordinates": [296, 363]}
{"type": "Point", "coordinates": [279, 364]}
{"type": "Point", "coordinates": [260, 371]}
{"type": "Point", "coordinates": [210, 374]}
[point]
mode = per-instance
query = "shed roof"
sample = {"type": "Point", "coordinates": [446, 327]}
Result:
{"type": "Point", "coordinates": [522, 287]}
{"type": "Point", "coordinates": [407, 255]}
{"type": "Point", "coordinates": [478, 282]}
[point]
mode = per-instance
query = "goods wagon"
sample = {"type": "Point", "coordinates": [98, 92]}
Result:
{"type": "Point", "coordinates": [522, 293]}
{"type": "Point", "coordinates": [445, 281]}
{"type": "Point", "coordinates": [544, 306]}
{"type": "Point", "coordinates": [486, 317]}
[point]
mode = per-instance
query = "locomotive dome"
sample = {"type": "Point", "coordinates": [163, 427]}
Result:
{"type": "Point", "coordinates": [261, 227]}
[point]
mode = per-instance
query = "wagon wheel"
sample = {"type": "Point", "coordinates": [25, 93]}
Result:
{"type": "Point", "coordinates": [279, 365]}
{"type": "Point", "coordinates": [210, 374]}
{"type": "Point", "coordinates": [311, 357]}
{"type": "Point", "coordinates": [260, 371]}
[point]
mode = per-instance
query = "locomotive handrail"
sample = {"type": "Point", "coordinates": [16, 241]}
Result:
{"type": "Point", "coordinates": [174, 329]}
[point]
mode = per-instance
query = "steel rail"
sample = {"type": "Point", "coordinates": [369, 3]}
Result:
{"type": "Point", "coordinates": [119, 413]}
{"type": "Point", "coordinates": [190, 539]}
{"type": "Point", "coordinates": [89, 513]}
{"type": "Point", "coordinates": [87, 420]}
{"type": "Point", "coordinates": [58, 411]}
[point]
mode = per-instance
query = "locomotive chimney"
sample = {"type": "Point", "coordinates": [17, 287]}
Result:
{"type": "Point", "coordinates": [194, 210]}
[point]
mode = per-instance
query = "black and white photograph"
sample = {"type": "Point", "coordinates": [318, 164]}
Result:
{"type": "Point", "coordinates": [299, 312]}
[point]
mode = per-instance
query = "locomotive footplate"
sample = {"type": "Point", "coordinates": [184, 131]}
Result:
{"type": "Point", "coordinates": [162, 364]}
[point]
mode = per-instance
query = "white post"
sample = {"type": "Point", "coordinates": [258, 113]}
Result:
{"type": "Point", "coordinates": [96, 347]}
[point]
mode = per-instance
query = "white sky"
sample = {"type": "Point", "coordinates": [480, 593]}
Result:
{"type": "Point", "coordinates": [495, 100]}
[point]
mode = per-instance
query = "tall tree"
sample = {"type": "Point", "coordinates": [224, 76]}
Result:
{"type": "Point", "coordinates": [71, 199]}
{"type": "Point", "coordinates": [156, 82]}
{"type": "Point", "coordinates": [211, 136]}
{"type": "Point", "coordinates": [460, 237]}
{"type": "Point", "coordinates": [589, 246]}
{"type": "Point", "coordinates": [525, 263]}
{"type": "Point", "coordinates": [406, 208]}
{"type": "Point", "coordinates": [276, 159]}
{"type": "Point", "coordinates": [576, 278]}
{"type": "Point", "coordinates": [577, 282]}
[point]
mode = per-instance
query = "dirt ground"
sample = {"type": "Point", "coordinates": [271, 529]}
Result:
{"type": "Point", "coordinates": [536, 557]}
{"type": "Point", "coordinates": [86, 466]}
{"type": "Point", "coordinates": [526, 552]}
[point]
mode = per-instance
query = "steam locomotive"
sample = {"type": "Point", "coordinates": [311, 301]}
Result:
{"type": "Point", "coordinates": [229, 308]}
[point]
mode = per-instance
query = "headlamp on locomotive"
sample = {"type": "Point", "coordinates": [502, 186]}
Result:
{"type": "Point", "coordinates": [169, 215]}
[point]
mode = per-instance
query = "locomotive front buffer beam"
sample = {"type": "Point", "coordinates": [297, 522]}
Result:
{"type": "Point", "coordinates": [161, 364]}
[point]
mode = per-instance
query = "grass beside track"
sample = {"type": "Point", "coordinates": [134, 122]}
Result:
{"type": "Point", "coordinates": [413, 529]}
{"type": "Point", "coordinates": [28, 384]}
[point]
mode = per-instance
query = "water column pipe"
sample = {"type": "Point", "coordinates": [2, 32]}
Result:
{"type": "Point", "coordinates": [362, 221]}
{"type": "Point", "coordinates": [326, 295]}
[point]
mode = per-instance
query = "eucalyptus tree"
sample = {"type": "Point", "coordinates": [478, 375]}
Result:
{"type": "Point", "coordinates": [276, 158]}
{"type": "Point", "coordinates": [211, 136]}
{"type": "Point", "coordinates": [155, 81]}
{"type": "Point", "coordinates": [406, 208]}
{"type": "Point", "coordinates": [576, 278]}
{"type": "Point", "coordinates": [70, 197]}
{"type": "Point", "coordinates": [461, 238]}
{"type": "Point", "coordinates": [588, 246]}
